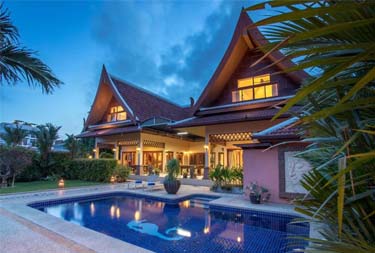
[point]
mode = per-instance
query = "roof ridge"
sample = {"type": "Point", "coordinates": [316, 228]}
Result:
{"type": "Point", "coordinates": [146, 91]}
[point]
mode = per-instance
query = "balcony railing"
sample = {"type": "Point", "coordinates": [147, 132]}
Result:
{"type": "Point", "coordinates": [255, 92]}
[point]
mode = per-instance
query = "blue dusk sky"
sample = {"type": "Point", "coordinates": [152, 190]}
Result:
{"type": "Point", "coordinates": [168, 47]}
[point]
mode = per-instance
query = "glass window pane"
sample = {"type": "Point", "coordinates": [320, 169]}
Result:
{"type": "Point", "coordinates": [113, 117]}
{"type": "Point", "coordinates": [246, 94]}
{"type": "Point", "coordinates": [259, 92]}
{"type": "Point", "coordinates": [121, 116]}
{"type": "Point", "coordinates": [262, 79]}
{"type": "Point", "coordinates": [244, 82]}
{"type": "Point", "coordinates": [235, 96]}
{"type": "Point", "coordinates": [113, 109]}
{"type": "Point", "coordinates": [119, 108]}
{"type": "Point", "coordinates": [269, 91]}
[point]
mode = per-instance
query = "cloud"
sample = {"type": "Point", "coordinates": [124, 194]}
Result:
{"type": "Point", "coordinates": [171, 49]}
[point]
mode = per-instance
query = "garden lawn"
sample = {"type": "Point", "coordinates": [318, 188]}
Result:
{"type": "Point", "coordinates": [44, 185]}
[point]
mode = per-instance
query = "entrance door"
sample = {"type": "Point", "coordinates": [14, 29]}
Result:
{"type": "Point", "coordinates": [153, 158]}
{"type": "Point", "coordinates": [235, 158]}
{"type": "Point", "coordinates": [128, 158]}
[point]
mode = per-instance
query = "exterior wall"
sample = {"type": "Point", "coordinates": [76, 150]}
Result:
{"type": "Point", "coordinates": [285, 85]}
{"type": "Point", "coordinates": [268, 169]}
{"type": "Point", "coordinates": [263, 167]}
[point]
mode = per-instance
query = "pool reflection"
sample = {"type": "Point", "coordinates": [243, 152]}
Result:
{"type": "Point", "coordinates": [187, 224]}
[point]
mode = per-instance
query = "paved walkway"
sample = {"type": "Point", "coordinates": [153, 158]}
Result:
{"type": "Point", "coordinates": [24, 229]}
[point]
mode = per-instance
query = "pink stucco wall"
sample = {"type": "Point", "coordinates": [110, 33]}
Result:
{"type": "Point", "coordinates": [263, 167]}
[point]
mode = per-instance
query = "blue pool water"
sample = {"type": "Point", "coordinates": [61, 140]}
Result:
{"type": "Point", "coordinates": [187, 225]}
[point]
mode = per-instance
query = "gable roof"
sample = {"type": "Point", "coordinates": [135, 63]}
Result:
{"type": "Point", "coordinates": [245, 37]}
{"type": "Point", "coordinates": [139, 103]}
{"type": "Point", "coordinates": [146, 104]}
{"type": "Point", "coordinates": [106, 90]}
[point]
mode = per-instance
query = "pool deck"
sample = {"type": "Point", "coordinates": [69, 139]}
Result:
{"type": "Point", "coordinates": [25, 229]}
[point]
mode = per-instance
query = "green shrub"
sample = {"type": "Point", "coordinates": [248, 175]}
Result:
{"type": "Point", "coordinates": [121, 173]}
{"type": "Point", "coordinates": [225, 176]}
{"type": "Point", "coordinates": [58, 164]}
{"type": "Point", "coordinates": [106, 155]}
{"type": "Point", "coordinates": [57, 167]}
{"type": "Point", "coordinates": [98, 170]}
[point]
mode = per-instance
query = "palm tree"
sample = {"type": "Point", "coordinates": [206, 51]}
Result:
{"type": "Point", "coordinates": [72, 144]}
{"type": "Point", "coordinates": [337, 39]}
{"type": "Point", "coordinates": [45, 137]}
{"type": "Point", "coordinates": [13, 136]}
{"type": "Point", "coordinates": [19, 63]}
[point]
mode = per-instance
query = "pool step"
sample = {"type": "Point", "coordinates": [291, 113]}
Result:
{"type": "Point", "coordinates": [200, 202]}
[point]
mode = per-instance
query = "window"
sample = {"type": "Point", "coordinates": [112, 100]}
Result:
{"type": "Point", "coordinates": [256, 87]}
{"type": "Point", "coordinates": [116, 113]}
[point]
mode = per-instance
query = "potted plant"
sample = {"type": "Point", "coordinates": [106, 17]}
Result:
{"type": "Point", "coordinates": [171, 183]}
{"type": "Point", "coordinates": [256, 192]}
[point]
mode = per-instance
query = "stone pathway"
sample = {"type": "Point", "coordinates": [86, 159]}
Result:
{"type": "Point", "coordinates": [19, 235]}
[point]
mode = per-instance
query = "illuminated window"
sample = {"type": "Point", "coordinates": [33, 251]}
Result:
{"type": "Point", "coordinates": [116, 113]}
{"type": "Point", "coordinates": [256, 87]}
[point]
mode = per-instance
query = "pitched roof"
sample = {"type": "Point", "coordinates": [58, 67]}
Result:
{"type": "Point", "coordinates": [146, 104]}
{"type": "Point", "coordinates": [230, 117]}
{"type": "Point", "coordinates": [139, 103]}
{"type": "Point", "coordinates": [246, 36]}
{"type": "Point", "coordinates": [108, 131]}
{"type": "Point", "coordinates": [287, 129]}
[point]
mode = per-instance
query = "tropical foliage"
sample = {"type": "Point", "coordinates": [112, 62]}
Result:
{"type": "Point", "coordinates": [14, 135]}
{"type": "Point", "coordinates": [121, 173]}
{"type": "Point", "coordinates": [46, 136]}
{"type": "Point", "coordinates": [226, 177]}
{"type": "Point", "coordinates": [335, 42]}
{"type": "Point", "coordinates": [173, 169]}
{"type": "Point", "coordinates": [19, 63]}
{"type": "Point", "coordinates": [13, 160]}
{"type": "Point", "coordinates": [72, 145]}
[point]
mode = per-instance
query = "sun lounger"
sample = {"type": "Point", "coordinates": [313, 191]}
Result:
{"type": "Point", "coordinates": [135, 184]}
{"type": "Point", "coordinates": [153, 183]}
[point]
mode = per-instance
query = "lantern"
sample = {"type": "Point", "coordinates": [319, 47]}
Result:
{"type": "Point", "coordinates": [112, 180]}
{"type": "Point", "coordinates": [61, 183]}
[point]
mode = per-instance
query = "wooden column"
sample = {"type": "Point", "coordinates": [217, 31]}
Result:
{"type": "Point", "coordinates": [206, 156]}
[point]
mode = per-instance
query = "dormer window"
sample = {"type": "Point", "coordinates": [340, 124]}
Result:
{"type": "Point", "coordinates": [252, 88]}
{"type": "Point", "coordinates": [116, 113]}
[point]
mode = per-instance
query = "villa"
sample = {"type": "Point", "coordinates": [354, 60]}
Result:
{"type": "Point", "coordinates": [230, 123]}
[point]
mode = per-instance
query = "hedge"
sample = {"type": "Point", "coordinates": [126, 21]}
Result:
{"type": "Point", "coordinates": [98, 170]}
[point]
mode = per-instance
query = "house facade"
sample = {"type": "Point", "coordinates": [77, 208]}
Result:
{"type": "Point", "coordinates": [224, 126]}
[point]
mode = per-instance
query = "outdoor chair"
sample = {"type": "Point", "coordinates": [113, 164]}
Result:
{"type": "Point", "coordinates": [135, 184]}
{"type": "Point", "coordinates": [153, 183]}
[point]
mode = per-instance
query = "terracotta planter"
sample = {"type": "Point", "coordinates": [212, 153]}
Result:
{"type": "Point", "coordinates": [254, 199]}
{"type": "Point", "coordinates": [172, 187]}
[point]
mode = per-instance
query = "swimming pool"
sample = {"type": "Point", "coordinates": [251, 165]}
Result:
{"type": "Point", "coordinates": [188, 224]}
